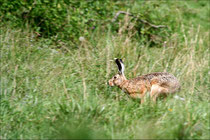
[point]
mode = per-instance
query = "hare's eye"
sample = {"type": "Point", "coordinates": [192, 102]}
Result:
{"type": "Point", "coordinates": [115, 77]}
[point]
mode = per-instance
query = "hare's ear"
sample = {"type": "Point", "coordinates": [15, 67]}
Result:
{"type": "Point", "coordinates": [120, 65]}
{"type": "Point", "coordinates": [123, 67]}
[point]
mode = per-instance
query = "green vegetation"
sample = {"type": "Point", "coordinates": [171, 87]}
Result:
{"type": "Point", "coordinates": [55, 87]}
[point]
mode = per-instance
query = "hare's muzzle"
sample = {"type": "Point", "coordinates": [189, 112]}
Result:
{"type": "Point", "coordinates": [110, 83]}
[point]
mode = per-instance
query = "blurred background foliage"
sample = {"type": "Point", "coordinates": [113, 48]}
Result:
{"type": "Point", "coordinates": [66, 20]}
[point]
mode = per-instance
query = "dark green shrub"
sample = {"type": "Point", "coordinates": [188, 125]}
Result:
{"type": "Point", "coordinates": [68, 20]}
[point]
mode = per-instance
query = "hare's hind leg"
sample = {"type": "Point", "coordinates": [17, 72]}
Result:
{"type": "Point", "coordinates": [156, 90]}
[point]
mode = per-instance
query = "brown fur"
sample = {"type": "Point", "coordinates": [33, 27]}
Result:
{"type": "Point", "coordinates": [159, 83]}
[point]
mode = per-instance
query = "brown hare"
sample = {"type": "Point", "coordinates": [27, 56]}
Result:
{"type": "Point", "coordinates": [158, 83]}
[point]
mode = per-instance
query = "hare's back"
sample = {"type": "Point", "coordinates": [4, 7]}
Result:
{"type": "Point", "coordinates": [161, 78]}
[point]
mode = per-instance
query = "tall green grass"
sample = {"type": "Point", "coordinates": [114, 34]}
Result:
{"type": "Point", "coordinates": [50, 92]}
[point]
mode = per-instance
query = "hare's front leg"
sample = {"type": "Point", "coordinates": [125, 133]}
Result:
{"type": "Point", "coordinates": [144, 91]}
{"type": "Point", "coordinates": [139, 95]}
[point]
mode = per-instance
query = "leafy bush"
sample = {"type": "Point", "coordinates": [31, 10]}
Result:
{"type": "Point", "coordinates": [67, 19]}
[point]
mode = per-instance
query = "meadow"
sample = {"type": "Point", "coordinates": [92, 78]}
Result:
{"type": "Point", "coordinates": [61, 92]}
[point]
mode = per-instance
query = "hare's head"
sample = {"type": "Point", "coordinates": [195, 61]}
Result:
{"type": "Point", "coordinates": [119, 78]}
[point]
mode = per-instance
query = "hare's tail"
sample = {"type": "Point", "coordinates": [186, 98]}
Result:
{"type": "Point", "coordinates": [179, 98]}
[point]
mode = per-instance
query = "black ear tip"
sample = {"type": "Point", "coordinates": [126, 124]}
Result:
{"type": "Point", "coordinates": [116, 60]}
{"type": "Point", "coordinates": [118, 64]}
{"type": "Point", "coordinates": [121, 61]}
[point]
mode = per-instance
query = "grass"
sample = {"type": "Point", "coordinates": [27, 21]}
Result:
{"type": "Point", "coordinates": [48, 92]}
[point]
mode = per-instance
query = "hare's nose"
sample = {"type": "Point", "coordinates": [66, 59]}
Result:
{"type": "Point", "coordinates": [110, 83]}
